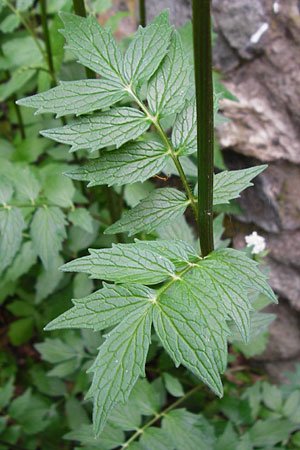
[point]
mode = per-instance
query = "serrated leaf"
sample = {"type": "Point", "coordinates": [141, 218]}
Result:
{"type": "Point", "coordinates": [11, 226]}
{"type": "Point", "coordinates": [47, 233]}
{"type": "Point", "coordinates": [229, 185]}
{"type": "Point", "coordinates": [233, 296]}
{"type": "Point", "coordinates": [126, 417]}
{"type": "Point", "coordinates": [184, 337]}
{"type": "Point", "coordinates": [177, 251]}
{"type": "Point", "coordinates": [59, 190]}
{"type": "Point", "coordinates": [160, 207]}
{"type": "Point", "coordinates": [76, 97]}
{"type": "Point", "coordinates": [121, 360]}
{"type": "Point", "coordinates": [95, 47]}
{"type": "Point", "coordinates": [26, 184]}
{"type": "Point", "coordinates": [110, 438]}
{"type": "Point", "coordinates": [6, 190]}
{"type": "Point", "coordinates": [48, 280]}
{"type": "Point", "coordinates": [154, 437]}
{"type": "Point", "coordinates": [268, 433]}
{"type": "Point", "coordinates": [81, 217]}
{"type": "Point", "coordinates": [133, 162]}
{"type": "Point", "coordinates": [146, 51]}
{"type": "Point", "coordinates": [272, 397]}
{"type": "Point", "coordinates": [168, 85]}
{"type": "Point", "coordinates": [104, 308]}
{"type": "Point", "coordinates": [184, 133]}
{"type": "Point", "coordinates": [246, 269]}
{"type": "Point", "coordinates": [24, 260]}
{"type": "Point", "coordinates": [124, 263]}
{"type": "Point", "coordinates": [114, 127]}
{"type": "Point", "coordinates": [181, 427]}
{"type": "Point", "coordinates": [146, 397]}
{"type": "Point", "coordinates": [55, 350]}
{"type": "Point", "coordinates": [173, 385]}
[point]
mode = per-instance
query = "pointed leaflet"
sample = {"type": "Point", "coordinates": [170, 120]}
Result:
{"type": "Point", "coordinates": [244, 268]}
{"type": "Point", "coordinates": [184, 336]}
{"type": "Point", "coordinates": [104, 308]}
{"type": "Point", "coordinates": [229, 185]}
{"type": "Point", "coordinates": [121, 360]}
{"type": "Point", "coordinates": [168, 85]}
{"type": "Point", "coordinates": [76, 97]}
{"type": "Point", "coordinates": [160, 207]}
{"type": "Point", "coordinates": [178, 252]}
{"type": "Point", "coordinates": [146, 50]}
{"type": "Point", "coordinates": [227, 292]}
{"type": "Point", "coordinates": [11, 226]}
{"type": "Point", "coordinates": [133, 162]}
{"type": "Point", "coordinates": [184, 133]}
{"type": "Point", "coordinates": [124, 263]}
{"type": "Point", "coordinates": [114, 127]}
{"type": "Point", "coordinates": [47, 233]}
{"type": "Point", "coordinates": [95, 47]}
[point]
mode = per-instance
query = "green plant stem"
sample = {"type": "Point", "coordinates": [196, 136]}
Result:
{"type": "Point", "coordinates": [47, 39]}
{"type": "Point", "coordinates": [79, 9]}
{"type": "Point", "coordinates": [171, 150]}
{"type": "Point", "coordinates": [28, 28]}
{"type": "Point", "coordinates": [142, 8]}
{"type": "Point", "coordinates": [160, 415]}
{"type": "Point", "coordinates": [205, 121]}
{"type": "Point", "coordinates": [19, 117]}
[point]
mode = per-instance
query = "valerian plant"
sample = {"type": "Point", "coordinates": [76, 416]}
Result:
{"type": "Point", "coordinates": [124, 117]}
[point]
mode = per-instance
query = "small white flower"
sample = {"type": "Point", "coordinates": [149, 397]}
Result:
{"type": "Point", "coordinates": [258, 242]}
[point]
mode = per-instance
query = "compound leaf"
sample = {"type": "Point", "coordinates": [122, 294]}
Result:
{"type": "Point", "coordinates": [133, 162]}
{"type": "Point", "coordinates": [168, 85]}
{"type": "Point", "coordinates": [229, 185]}
{"type": "Point", "coordinates": [104, 308]}
{"type": "Point", "coordinates": [95, 47]}
{"type": "Point", "coordinates": [114, 127]}
{"type": "Point", "coordinates": [76, 97]}
{"type": "Point", "coordinates": [47, 233]}
{"type": "Point", "coordinates": [124, 263]}
{"type": "Point", "coordinates": [121, 360]}
{"type": "Point", "coordinates": [160, 207]}
{"type": "Point", "coordinates": [146, 51]}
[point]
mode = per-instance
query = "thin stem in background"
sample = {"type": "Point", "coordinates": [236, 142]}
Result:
{"type": "Point", "coordinates": [80, 10]}
{"type": "Point", "coordinates": [28, 28]}
{"type": "Point", "coordinates": [47, 39]}
{"type": "Point", "coordinates": [205, 121]}
{"type": "Point", "coordinates": [17, 108]}
{"type": "Point", "coordinates": [160, 415]}
{"type": "Point", "coordinates": [142, 12]}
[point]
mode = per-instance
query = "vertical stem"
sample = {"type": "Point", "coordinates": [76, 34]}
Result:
{"type": "Point", "coordinates": [205, 121]}
{"type": "Point", "coordinates": [19, 117]}
{"type": "Point", "coordinates": [142, 12]}
{"type": "Point", "coordinates": [17, 108]}
{"type": "Point", "coordinates": [80, 10]}
{"type": "Point", "coordinates": [47, 39]}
